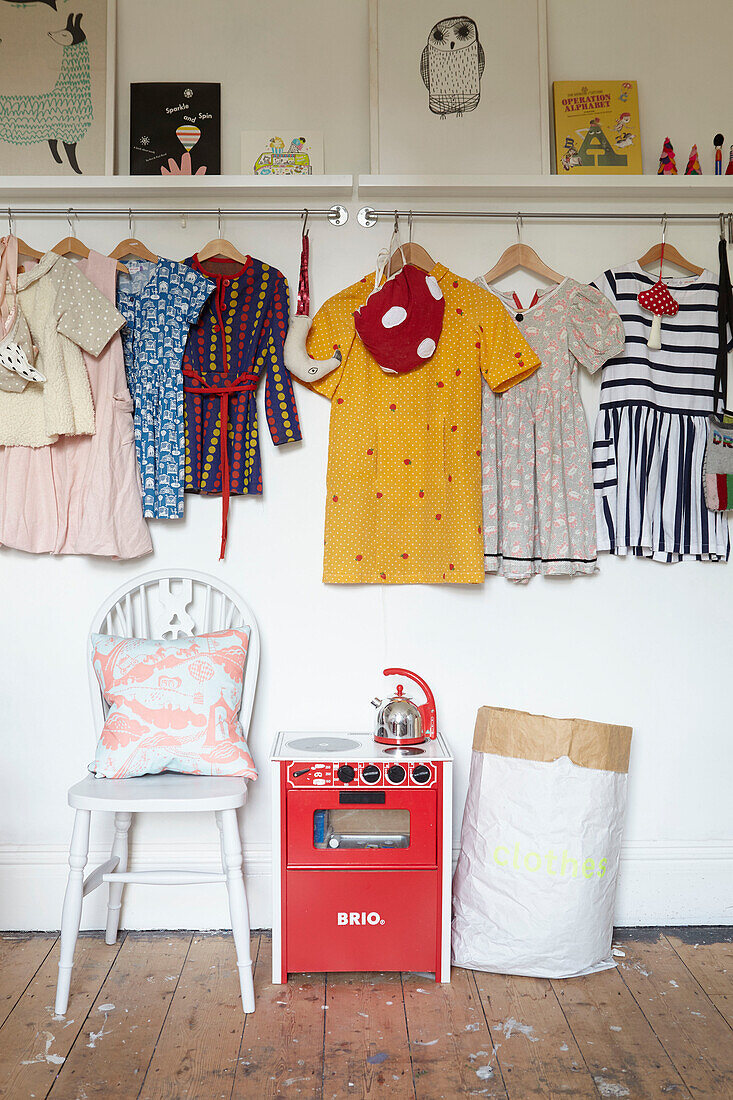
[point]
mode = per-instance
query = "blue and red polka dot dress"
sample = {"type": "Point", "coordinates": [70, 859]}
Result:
{"type": "Point", "coordinates": [239, 338]}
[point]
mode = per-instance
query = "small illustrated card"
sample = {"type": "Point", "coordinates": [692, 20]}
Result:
{"type": "Point", "coordinates": [175, 129]}
{"type": "Point", "coordinates": [282, 152]}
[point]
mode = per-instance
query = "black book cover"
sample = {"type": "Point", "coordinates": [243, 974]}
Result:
{"type": "Point", "coordinates": [175, 128]}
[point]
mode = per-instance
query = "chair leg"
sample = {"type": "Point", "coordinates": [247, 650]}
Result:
{"type": "Point", "coordinates": [114, 900]}
{"type": "Point", "coordinates": [232, 866]}
{"type": "Point", "coordinates": [71, 913]}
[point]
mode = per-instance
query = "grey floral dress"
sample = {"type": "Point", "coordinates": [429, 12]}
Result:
{"type": "Point", "coordinates": [538, 502]}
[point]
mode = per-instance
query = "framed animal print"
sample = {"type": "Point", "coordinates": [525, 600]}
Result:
{"type": "Point", "coordinates": [459, 89]}
{"type": "Point", "coordinates": [57, 87]}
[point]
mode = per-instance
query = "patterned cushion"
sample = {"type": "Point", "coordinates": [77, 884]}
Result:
{"type": "Point", "coordinates": [174, 705]}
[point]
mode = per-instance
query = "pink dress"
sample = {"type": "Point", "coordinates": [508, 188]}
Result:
{"type": "Point", "coordinates": [81, 494]}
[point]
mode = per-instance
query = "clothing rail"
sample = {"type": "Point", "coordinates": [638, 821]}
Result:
{"type": "Point", "coordinates": [368, 216]}
{"type": "Point", "coordinates": [337, 215]}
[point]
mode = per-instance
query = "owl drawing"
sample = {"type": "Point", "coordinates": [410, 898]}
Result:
{"type": "Point", "coordinates": [452, 65]}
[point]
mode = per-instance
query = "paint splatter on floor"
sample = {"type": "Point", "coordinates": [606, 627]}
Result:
{"type": "Point", "coordinates": [510, 1026]}
{"type": "Point", "coordinates": [95, 1036]}
{"type": "Point", "coordinates": [378, 1058]}
{"type": "Point", "coordinates": [610, 1088]}
{"type": "Point", "coordinates": [44, 1055]}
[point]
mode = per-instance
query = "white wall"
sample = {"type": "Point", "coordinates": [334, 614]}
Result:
{"type": "Point", "coordinates": [629, 645]}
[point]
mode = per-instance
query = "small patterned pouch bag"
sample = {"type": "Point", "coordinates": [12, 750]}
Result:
{"type": "Point", "coordinates": [17, 353]}
{"type": "Point", "coordinates": [718, 464]}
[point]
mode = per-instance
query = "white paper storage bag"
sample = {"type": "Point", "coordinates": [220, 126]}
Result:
{"type": "Point", "coordinates": [535, 883]}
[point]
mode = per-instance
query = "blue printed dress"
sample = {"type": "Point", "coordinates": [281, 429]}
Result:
{"type": "Point", "coordinates": [238, 339]}
{"type": "Point", "coordinates": [159, 301]}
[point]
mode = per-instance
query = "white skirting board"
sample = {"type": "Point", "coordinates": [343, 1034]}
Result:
{"type": "Point", "coordinates": [676, 883]}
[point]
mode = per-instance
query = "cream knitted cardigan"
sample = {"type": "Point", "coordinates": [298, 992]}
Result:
{"type": "Point", "coordinates": [65, 313]}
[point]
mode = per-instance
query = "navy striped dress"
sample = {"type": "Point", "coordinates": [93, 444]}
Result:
{"type": "Point", "coordinates": [651, 427]}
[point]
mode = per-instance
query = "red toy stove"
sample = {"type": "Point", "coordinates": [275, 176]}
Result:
{"type": "Point", "coordinates": [362, 870]}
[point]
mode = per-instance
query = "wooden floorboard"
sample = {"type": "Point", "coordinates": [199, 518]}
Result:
{"type": "Point", "coordinates": [159, 1017]}
{"type": "Point", "coordinates": [691, 1030]}
{"type": "Point", "coordinates": [619, 1046]}
{"type": "Point", "coordinates": [366, 1050]}
{"type": "Point", "coordinates": [282, 1045]}
{"type": "Point", "coordinates": [117, 1042]}
{"type": "Point", "coordinates": [34, 1042]}
{"type": "Point", "coordinates": [197, 1050]}
{"type": "Point", "coordinates": [536, 1051]}
{"type": "Point", "coordinates": [20, 957]}
{"type": "Point", "coordinates": [450, 1043]}
{"type": "Point", "coordinates": [708, 955]}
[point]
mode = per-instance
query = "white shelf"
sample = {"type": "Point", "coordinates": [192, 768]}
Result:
{"type": "Point", "coordinates": [77, 190]}
{"type": "Point", "coordinates": [555, 188]}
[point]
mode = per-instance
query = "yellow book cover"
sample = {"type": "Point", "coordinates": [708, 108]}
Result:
{"type": "Point", "coordinates": [597, 127]}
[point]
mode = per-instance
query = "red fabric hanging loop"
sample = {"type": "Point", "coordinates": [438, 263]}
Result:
{"type": "Point", "coordinates": [244, 383]}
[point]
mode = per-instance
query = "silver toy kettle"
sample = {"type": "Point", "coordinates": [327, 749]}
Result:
{"type": "Point", "coordinates": [399, 720]}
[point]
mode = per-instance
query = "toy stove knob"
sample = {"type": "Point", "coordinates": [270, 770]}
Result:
{"type": "Point", "coordinates": [346, 773]}
{"type": "Point", "coordinates": [370, 773]}
{"type": "Point", "coordinates": [421, 773]}
{"type": "Point", "coordinates": [395, 773]}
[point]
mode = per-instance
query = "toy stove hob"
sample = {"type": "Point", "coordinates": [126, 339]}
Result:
{"type": "Point", "coordinates": [361, 855]}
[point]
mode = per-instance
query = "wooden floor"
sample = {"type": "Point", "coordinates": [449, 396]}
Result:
{"type": "Point", "coordinates": [159, 1016]}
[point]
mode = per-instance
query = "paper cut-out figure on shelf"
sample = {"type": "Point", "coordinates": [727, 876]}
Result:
{"type": "Point", "coordinates": [667, 163]}
{"type": "Point", "coordinates": [729, 167]}
{"type": "Point", "coordinates": [718, 143]}
{"type": "Point", "coordinates": [693, 163]}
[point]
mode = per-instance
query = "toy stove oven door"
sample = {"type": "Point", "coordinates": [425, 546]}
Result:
{"type": "Point", "coordinates": [361, 828]}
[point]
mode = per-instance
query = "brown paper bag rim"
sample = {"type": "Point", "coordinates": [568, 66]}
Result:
{"type": "Point", "coordinates": [526, 736]}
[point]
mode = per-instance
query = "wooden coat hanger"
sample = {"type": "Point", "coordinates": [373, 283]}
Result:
{"type": "Point", "coordinates": [72, 246]}
{"type": "Point", "coordinates": [670, 253]}
{"type": "Point", "coordinates": [409, 253]}
{"type": "Point", "coordinates": [131, 246]}
{"type": "Point", "coordinates": [222, 249]}
{"type": "Point", "coordinates": [521, 255]}
{"type": "Point", "coordinates": [23, 248]}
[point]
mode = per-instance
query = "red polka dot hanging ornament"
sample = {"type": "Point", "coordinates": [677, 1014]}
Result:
{"type": "Point", "coordinates": [401, 321]}
{"type": "Point", "coordinates": [295, 356]}
{"type": "Point", "coordinates": [658, 300]}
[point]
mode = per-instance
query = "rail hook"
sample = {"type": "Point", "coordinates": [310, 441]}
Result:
{"type": "Point", "coordinates": [304, 219]}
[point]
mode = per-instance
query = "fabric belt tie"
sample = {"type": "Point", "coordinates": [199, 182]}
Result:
{"type": "Point", "coordinates": [244, 383]}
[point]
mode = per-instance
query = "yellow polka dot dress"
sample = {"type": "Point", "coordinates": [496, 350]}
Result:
{"type": "Point", "coordinates": [403, 501]}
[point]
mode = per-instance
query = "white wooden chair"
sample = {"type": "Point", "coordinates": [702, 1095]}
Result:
{"type": "Point", "coordinates": [162, 605]}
